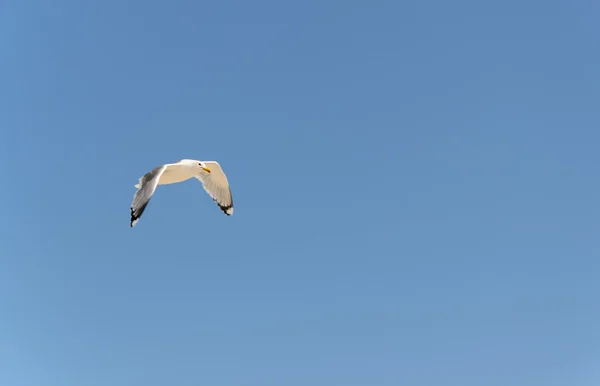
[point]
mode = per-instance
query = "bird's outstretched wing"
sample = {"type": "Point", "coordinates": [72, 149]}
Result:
{"type": "Point", "coordinates": [217, 186]}
{"type": "Point", "coordinates": [146, 188]}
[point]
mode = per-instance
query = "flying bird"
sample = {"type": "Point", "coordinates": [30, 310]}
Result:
{"type": "Point", "coordinates": [209, 173]}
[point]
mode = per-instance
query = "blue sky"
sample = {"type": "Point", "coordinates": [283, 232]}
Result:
{"type": "Point", "coordinates": [415, 183]}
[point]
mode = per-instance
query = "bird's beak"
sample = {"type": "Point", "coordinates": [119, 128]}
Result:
{"type": "Point", "coordinates": [206, 170]}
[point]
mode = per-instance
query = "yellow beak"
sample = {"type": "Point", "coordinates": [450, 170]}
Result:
{"type": "Point", "coordinates": [206, 169]}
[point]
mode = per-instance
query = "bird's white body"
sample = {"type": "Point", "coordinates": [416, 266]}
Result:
{"type": "Point", "coordinates": [209, 173]}
{"type": "Point", "coordinates": [176, 173]}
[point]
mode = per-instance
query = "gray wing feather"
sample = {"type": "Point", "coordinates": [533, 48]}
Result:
{"type": "Point", "coordinates": [147, 186]}
{"type": "Point", "coordinates": [219, 193]}
{"type": "Point", "coordinates": [217, 186]}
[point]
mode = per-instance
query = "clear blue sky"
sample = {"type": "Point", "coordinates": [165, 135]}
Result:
{"type": "Point", "coordinates": [416, 188]}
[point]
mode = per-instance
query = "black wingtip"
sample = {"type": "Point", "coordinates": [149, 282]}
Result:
{"type": "Point", "coordinates": [228, 210]}
{"type": "Point", "coordinates": [134, 217]}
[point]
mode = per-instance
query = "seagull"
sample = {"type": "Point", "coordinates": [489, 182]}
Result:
{"type": "Point", "coordinates": [209, 173]}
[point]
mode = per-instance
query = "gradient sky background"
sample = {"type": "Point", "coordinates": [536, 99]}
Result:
{"type": "Point", "coordinates": [416, 188]}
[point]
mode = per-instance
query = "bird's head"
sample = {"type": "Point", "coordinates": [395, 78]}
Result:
{"type": "Point", "coordinates": [203, 166]}
{"type": "Point", "coordinates": [196, 164]}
